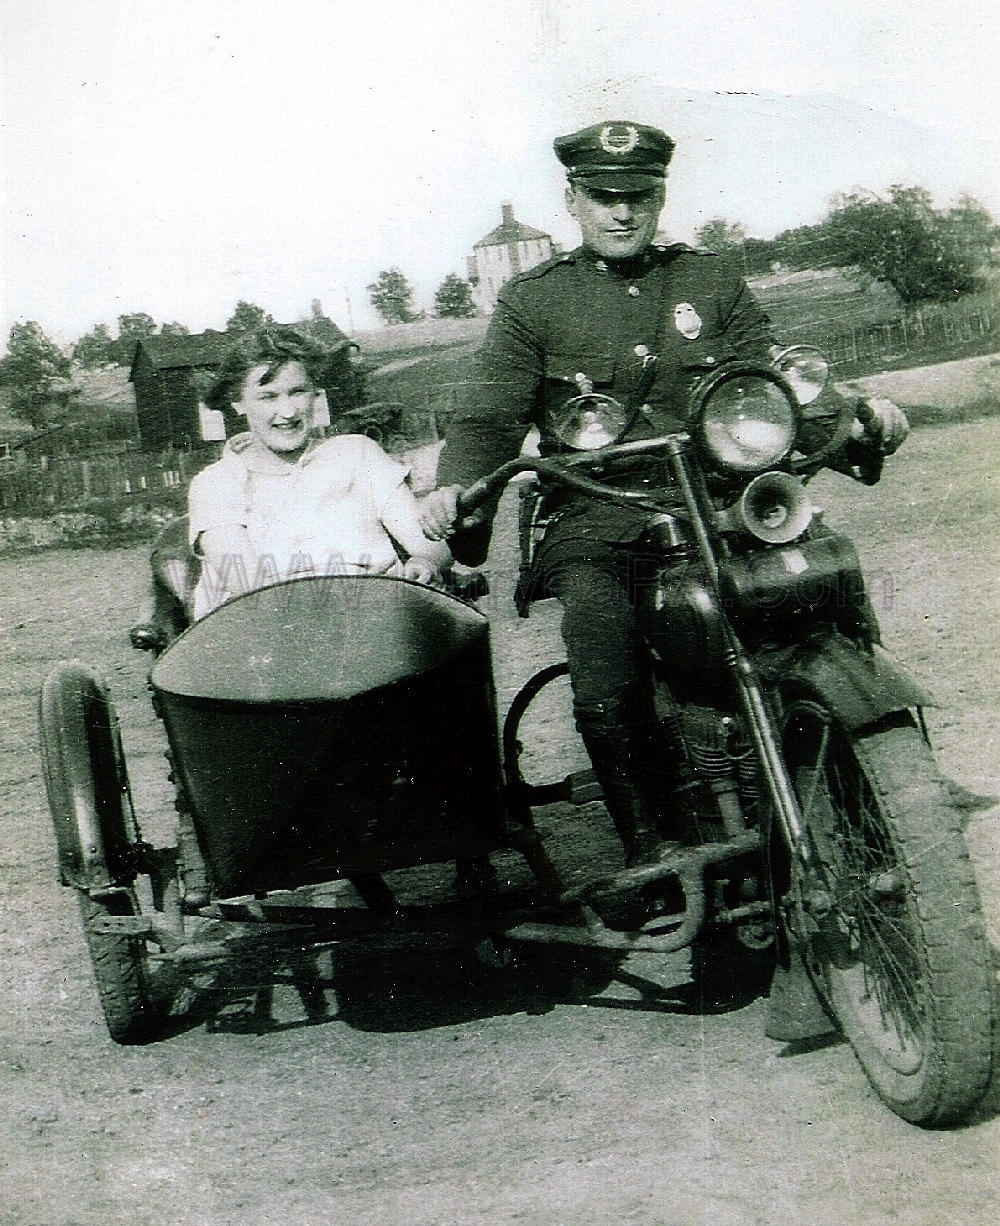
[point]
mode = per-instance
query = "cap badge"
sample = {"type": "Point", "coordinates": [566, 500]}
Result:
{"type": "Point", "coordinates": [618, 138]}
{"type": "Point", "coordinates": [687, 321]}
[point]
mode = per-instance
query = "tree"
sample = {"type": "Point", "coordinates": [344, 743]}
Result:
{"type": "Point", "coordinates": [759, 257]}
{"type": "Point", "coordinates": [319, 327]}
{"type": "Point", "coordinates": [131, 330]}
{"type": "Point", "coordinates": [246, 318]}
{"type": "Point", "coordinates": [453, 299]}
{"type": "Point", "coordinates": [95, 348]}
{"type": "Point", "coordinates": [392, 296]}
{"type": "Point", "coordinates": [174, 329]}
{"type": "Point", "coordinates": [803, 247]}
{"type": "Point", "coordinates": [974, 231]}
{"type": "Point", "coordinates": [36, 371]}
{"type": "Point", "coordinates": [904, 242]}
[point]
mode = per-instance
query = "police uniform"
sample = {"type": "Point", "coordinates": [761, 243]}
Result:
{"type": "Point", "coordinates": [641, 330]}
{"type": "Point", "coordinates": [643, 333]}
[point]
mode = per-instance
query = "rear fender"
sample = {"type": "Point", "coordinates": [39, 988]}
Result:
{"type": "Point", "coordinates": [857, 687]}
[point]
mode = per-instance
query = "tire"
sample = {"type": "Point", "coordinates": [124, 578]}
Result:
{"type": "Point", "coordinates": [95, 833]}
{"type": "Point", "coordinates": [120, 968]}
{"type": "Point", "coordinates": [891, 929]}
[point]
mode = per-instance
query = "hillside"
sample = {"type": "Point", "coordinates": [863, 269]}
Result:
{"type": "Point", "coordinates": [422, 367]}
{"type": "Point", "coordinates": [862, 329]}
{"type": "Point", "coordinates": [419, 336]}
{"type": "Point", "coordinates": [822, 299]}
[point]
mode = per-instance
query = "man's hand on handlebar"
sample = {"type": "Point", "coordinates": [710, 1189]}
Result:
{"type": "Point", "coordinates": [438, 512]}
{"type": "Point", "coordinates": [881, 424]}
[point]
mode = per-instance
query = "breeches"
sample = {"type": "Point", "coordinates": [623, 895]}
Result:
{"type": "Point", "coordinates": [595, 581]}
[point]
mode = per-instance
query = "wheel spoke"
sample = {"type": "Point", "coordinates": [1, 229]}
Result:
{"type": "Point", "coordinates": [808, 800]}
{"type": "Point", "coordinates": [877, 933]}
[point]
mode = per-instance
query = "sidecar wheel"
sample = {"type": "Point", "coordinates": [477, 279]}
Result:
{"type": "Point", "coordinates": [85, 778]}
{"type": "Point", "coordinates": [893, 937]}
{"type": "Point", "coordinates": [95, 833]}
{"type": "Point", "coordinates": [120, 966]}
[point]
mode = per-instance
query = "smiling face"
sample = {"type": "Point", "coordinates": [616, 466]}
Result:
{"type": "Point", "coordinates": [279, 412]}
{"type": "Point", "coordinates": [615, 225]}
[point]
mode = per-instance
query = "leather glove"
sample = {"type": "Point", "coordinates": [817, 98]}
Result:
{"type": "Point", "coordinates": [881, 424]}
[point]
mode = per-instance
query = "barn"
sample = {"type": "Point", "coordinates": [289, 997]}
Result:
{"type": "Point", "coordinates": [166, 399]}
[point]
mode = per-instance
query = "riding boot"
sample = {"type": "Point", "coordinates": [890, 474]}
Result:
{"type": "Point", "coordinates": [616, 755]}
{"type": "Point", "coordinates": [657, 762]}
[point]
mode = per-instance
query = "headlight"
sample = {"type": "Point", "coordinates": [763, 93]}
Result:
{"type": "Point", "coordinates": [588, 422]}
{"type": "Point", "coordinates": [805, 369]}
{"type": "Point", "coordinates": [747, 420]}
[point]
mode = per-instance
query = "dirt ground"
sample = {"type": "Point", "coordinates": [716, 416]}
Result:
{"type": "Point", "coordinates": [433, 1092]}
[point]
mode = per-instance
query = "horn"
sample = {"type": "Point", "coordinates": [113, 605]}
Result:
{"type": "Point", "coordinates": [774, 508]}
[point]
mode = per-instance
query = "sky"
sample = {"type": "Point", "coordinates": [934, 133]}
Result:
{"type": "Point", "coordinates": [174, 158]}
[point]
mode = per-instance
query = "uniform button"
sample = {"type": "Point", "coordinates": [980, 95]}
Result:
{"type": "Point", "coordinates": [633, 291]}
{"type": "Point", "coordinates": [710, 361]}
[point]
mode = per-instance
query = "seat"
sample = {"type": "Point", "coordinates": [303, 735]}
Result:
{"type": "Point", "coordinates": [175, 575]}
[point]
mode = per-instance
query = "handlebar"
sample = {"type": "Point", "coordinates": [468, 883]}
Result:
{"type": "Point", "coordinates": [560, 471]}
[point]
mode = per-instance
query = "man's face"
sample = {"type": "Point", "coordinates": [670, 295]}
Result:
{"type": "Point", "coordinates": [615, 225]}
{"type": "Point", "coordinates": [280, 412]}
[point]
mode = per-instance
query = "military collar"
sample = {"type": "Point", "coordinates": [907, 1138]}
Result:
{"type": "Point", "coordinates": [624, 270]}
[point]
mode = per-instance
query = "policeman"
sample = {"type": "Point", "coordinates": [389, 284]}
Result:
{"type": "Point", "coordinates": [639, 321]}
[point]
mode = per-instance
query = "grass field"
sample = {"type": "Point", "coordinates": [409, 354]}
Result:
{"type": "Point", "coordinates": [827, 300]}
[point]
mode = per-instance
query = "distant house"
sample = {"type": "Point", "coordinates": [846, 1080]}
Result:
{"type": "Point", "coordinates": [509, 249]}
{"type": "Point", "coordinates": [165, 375]}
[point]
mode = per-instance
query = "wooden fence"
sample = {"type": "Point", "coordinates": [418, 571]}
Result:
{"type": "Point", "coordinates": [75, 483]}
{"type": "Point", "coordinates": [924, 335]}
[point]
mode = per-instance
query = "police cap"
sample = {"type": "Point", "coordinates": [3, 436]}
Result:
{"type": "Point", "coordinates": [616, 156]}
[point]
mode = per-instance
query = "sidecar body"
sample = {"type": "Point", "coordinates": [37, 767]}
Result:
{"type": "Point", "coordinates": [330, 727]}
{"type": "Point", "coordinates": [322, 732]}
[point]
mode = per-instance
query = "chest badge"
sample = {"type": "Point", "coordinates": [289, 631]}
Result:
{"type": "Point", "coordinates": [687, 321]}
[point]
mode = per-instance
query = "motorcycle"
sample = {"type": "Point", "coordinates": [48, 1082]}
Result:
{"type": "Point", "coordinates": [335, 729]}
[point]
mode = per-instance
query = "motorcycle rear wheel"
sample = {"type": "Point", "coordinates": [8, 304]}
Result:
{"type": "Point", "coordinates": [894, 938]}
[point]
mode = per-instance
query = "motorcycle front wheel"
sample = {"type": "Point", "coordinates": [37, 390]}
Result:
{"type": "Point", "coordinates": [887, 913]}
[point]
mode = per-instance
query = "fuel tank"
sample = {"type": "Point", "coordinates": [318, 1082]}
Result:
{"type": "Point", "coordinates": [330, 726]}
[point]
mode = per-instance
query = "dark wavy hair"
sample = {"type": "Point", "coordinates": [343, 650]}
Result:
{"type": "Point", "coordinates": [272, 347]}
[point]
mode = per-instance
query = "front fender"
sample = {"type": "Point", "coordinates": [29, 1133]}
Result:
{"type": "Point", "coordinates": [858, 687]}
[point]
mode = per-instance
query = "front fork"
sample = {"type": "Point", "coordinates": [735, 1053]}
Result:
{"type": "Point", "coordinates": [760, 726]}
{"type": "Point", "coordinates": [758, 720]}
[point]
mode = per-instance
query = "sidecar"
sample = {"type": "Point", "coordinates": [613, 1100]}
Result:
{"type": "Point", "coordinates": [322, 733]}
{"type": "Point", "coordinates": [319, 730]}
